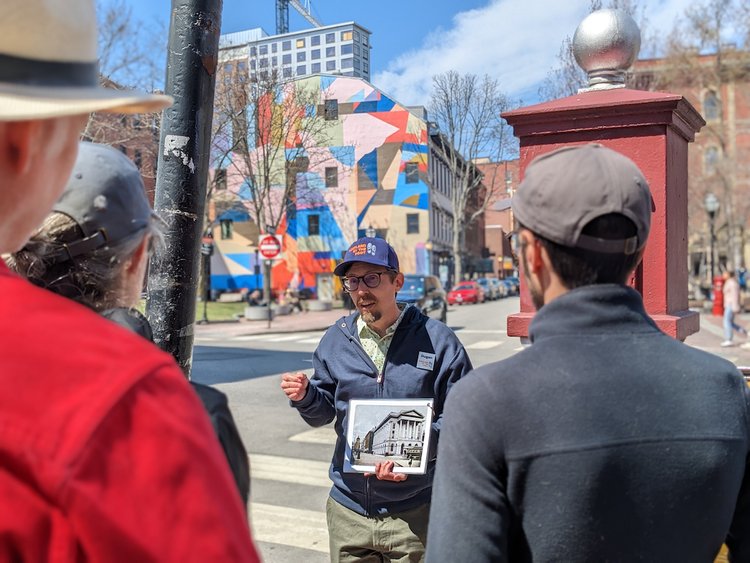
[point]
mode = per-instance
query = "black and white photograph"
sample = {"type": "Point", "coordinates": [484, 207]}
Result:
{"type": "Point", "coordinates": [388, 430]}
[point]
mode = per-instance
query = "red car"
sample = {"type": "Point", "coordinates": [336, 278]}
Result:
{"type": "Point", "coordinates": [466, 292]}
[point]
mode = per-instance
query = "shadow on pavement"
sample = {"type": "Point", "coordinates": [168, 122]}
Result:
{"type": "Point", "coordinates": [218, 364]}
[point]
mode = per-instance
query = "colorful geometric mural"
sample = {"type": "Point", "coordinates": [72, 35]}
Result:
{"type": "Point", "coordinates": [370, 172]}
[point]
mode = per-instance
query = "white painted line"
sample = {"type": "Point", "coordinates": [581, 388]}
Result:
{"type": "Point", "coordinates": [290, 470]}
{"type": "Point", "coordinates": [311, 340]}
{"type": "Point", "coordinates": [483, 345]}
{"type": "Point", "coordinates": [248, 337]}
{"type": "Point", "coordinates": [519, 349]}
{"type": "Point", "coordinates": [471, 331]}
{"type": "Point", "coordinates": [286, 338]}
{"type": "Point", "coordinates": [304, 529]}
{"type": "Point", "coordinates": [324, 435]}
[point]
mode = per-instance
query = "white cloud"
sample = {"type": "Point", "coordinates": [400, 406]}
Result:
{"type": "Point", "coordinates": [515, 42]}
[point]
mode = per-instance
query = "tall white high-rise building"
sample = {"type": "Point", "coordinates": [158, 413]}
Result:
{"type": "Point", "coordinates": [342, 48]}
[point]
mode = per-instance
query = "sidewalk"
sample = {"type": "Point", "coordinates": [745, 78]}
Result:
{"type": "Point", "coordinates": [711, 335]}
{"type": "Point", "coordinates": [294, 322]}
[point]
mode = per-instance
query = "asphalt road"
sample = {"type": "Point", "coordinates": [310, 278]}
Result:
{"type": "Point", "coordinates": [289, 460]}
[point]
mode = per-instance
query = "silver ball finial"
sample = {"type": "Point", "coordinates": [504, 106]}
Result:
{"type": "Point", "coordinates": [605, 45]}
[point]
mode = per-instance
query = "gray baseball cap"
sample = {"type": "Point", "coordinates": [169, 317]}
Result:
{"type": "Point", "coordinates": [562, 191]}
{"type": "Point", "coordinates": [106, 197]}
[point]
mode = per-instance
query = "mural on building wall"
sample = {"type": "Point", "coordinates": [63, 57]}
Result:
{"type": "Point", "coordinates": [366, 170]}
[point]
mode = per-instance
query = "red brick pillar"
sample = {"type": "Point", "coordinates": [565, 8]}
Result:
{"type": "Point", "coordinates": [653, 129]}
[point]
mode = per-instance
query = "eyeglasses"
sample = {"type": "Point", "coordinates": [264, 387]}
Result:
{"type": "Point", "coordinates": [371, 280]}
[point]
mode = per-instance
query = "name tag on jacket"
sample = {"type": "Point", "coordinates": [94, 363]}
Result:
{"type": "Point", "coordinates": [426, 360]}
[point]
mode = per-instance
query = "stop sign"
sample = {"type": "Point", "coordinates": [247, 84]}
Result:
{"type": "Point", "coordinates": [269, 246]}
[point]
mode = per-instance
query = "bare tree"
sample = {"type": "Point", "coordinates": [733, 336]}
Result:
{"type": "Point", "coordinates": [567, 77]}
{"type": "Point", "coordinates": [466, 109]}
{"type": "Point", "coordinates": [706, 59]}
{"type": "Point", "coordinates": [268, 133]}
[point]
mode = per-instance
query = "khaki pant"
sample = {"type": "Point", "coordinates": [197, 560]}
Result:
{"type": "Point", "coordinates": [397, 537]}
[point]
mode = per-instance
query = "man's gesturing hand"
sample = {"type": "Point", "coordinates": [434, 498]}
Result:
{"type": "Point", "coordinates": [294, 385]}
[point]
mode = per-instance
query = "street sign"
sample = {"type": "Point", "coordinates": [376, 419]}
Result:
{"type": "Point", "coordinates": [269, 246]}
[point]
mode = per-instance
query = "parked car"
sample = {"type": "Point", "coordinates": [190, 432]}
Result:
{"type": "Point", "coordinates": [490, 291]}
{"type": "Point", "coordinates": [501, 288]}
{"type": "Point", "coordinates": [427, 293]}
{"type": "Point", "coordinates": [513, 285]}
{"type": "Point", "coordinates": [466, 292]}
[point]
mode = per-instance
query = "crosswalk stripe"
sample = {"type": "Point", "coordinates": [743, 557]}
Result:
{"type": "Point", "coordinates": [310, 340]}
{"type": "Point", "coordinates": [483, 345]}
{"type": "Point", "coordinates": [305, 529]}
{"type": "Point", "coordinates": [324, 435]}
{"type": "Point", "coordinates": [290, 470]}
{"type": "Point", "coordinates": [470, 331]}
{"type": "Point", "coordinates": [250, 337]}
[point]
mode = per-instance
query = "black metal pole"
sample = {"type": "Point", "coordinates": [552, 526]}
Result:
{"type": "Point", "coordinates": [182, 175]}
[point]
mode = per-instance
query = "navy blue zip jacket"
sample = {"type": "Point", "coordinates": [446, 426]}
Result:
{"type": "Point", "coordinates": [344, 371]}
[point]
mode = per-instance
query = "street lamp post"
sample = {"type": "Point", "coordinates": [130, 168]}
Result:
{"type": "Point", "coordinates": [711, 203]}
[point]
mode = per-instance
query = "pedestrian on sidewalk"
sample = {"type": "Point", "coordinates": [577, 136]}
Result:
{"type": "Point", "coordinates": [606, 439]}
{"type": "Point", "coordinates": [384, 350]}
{"type": "Point", "coordinates": [107, 454]}
{"type": "Point", "coordinates": [732, 306]}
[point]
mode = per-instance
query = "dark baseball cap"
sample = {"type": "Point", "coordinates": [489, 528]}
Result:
{"type": "Point", "coordinates": [562, 191]}
{"type": "Point", "coordinates": [106, 197]}
{"type": "Point", "coordinates": [370, 251]}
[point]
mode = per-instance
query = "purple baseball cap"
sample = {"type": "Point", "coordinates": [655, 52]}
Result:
{"type": "Point", "coordinates": [370, 251]}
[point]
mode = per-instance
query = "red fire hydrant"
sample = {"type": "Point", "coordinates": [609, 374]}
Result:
{"type": "Point", "coordinates": [718, 308]}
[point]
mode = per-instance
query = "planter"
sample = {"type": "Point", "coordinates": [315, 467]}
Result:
{"type": "Point", "coordinates": [315, 305]}
{"type": "Point", "coordinates": [257, 313]}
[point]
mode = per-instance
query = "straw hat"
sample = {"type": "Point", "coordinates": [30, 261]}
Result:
{"type": "Point", "coordinates": [48, 63]}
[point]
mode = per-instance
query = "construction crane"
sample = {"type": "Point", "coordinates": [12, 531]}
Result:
{"type": "Point", "coordinates": [282, 14]}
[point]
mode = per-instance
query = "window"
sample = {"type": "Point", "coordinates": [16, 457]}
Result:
{"type": "Point", "coordinates": [331, 110]}
{"type": "Point", "coordinates": [220, 178]}
{"type": "Point", "coordinates": [356, 64]}
{"type": "Point", "coordinates": [273, 61]}
{"type": "Point", "coordinates": [315, 54]}
{"type": "Point", "coordinates": [315, 40]}
{"type": "Point", "coordinates": [286, 45]}
{"type": "Point", "coordinates": [330, 37]}
{"type": "Point", "coordinates": [315, 68]}
{"type": "Point", "coordinates": [253, 51]}
{"type": "Point", "coordinates": [300, 56]}
{"type": "Point", "coordinates": [365, 67]}
{"type": "Point", "coordinates": [286, 59]}
{"type": "Point", "coordinates": [364, 39]}
{"type": "Point", "coordinates": [242, 67]}
{"type": "Point", "coordinates": [287, 72]}
{"type": "Point", "coordinates": [300, 43]}
{"type": "Point", "coordinates": [274, 47]}
{"type": "Point", "coordinates": [356, 35]}
{"type": "Point", "coordinates": [263, 49]}
{"type": "Point", "coordinates": [330, 51]}
{"type": "Point", "coordinates": [301, 69]}
{"type": "Point", "coordinates": [227, 228]}
{"type": "Point", "coordinates": [263, 63]}
{"type": "Point", "coordinates": [711, 106]}
{"type": "Point", "coordinates": [412, 172]}
{"type": "Point", "coordinates": [412, 223]}
{"type": "Point", "coordinates": [365, 54]}
{"type": "Point", "coordinates": [330, 65]}
{"type": "Point", "coordinates": [356, 50]}
{"type": "Point", "coordinates": [253, 63]}
{"type": "Point", "coordinates": [347, 49]}
{"type": "Point", "coordinates": [313, 224]}
{"type": "Point", "coordinates": [137, 158]}
{"type": "Point", "coordinates": [710, 160]}
{"type": "Point", "coordinates": [264, 75]}
{"type": "Point", "coordinates": [332, 177]}
{"type": "Point", "coordinates": [347, 63]}
{"type": "Point", "coordinates": [346, 35]}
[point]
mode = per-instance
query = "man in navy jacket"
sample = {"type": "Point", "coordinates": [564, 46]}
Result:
{"type": "Point", "coordinates": [606, 439]}
{"type": "Point", "coordinates": [385, 350]}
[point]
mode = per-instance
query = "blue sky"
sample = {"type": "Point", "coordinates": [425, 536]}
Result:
{"type": "Point", "coordinates": [515, 41]}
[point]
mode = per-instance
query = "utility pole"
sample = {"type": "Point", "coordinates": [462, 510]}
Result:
{"type": "Point", "coordinates": [182, 176]}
